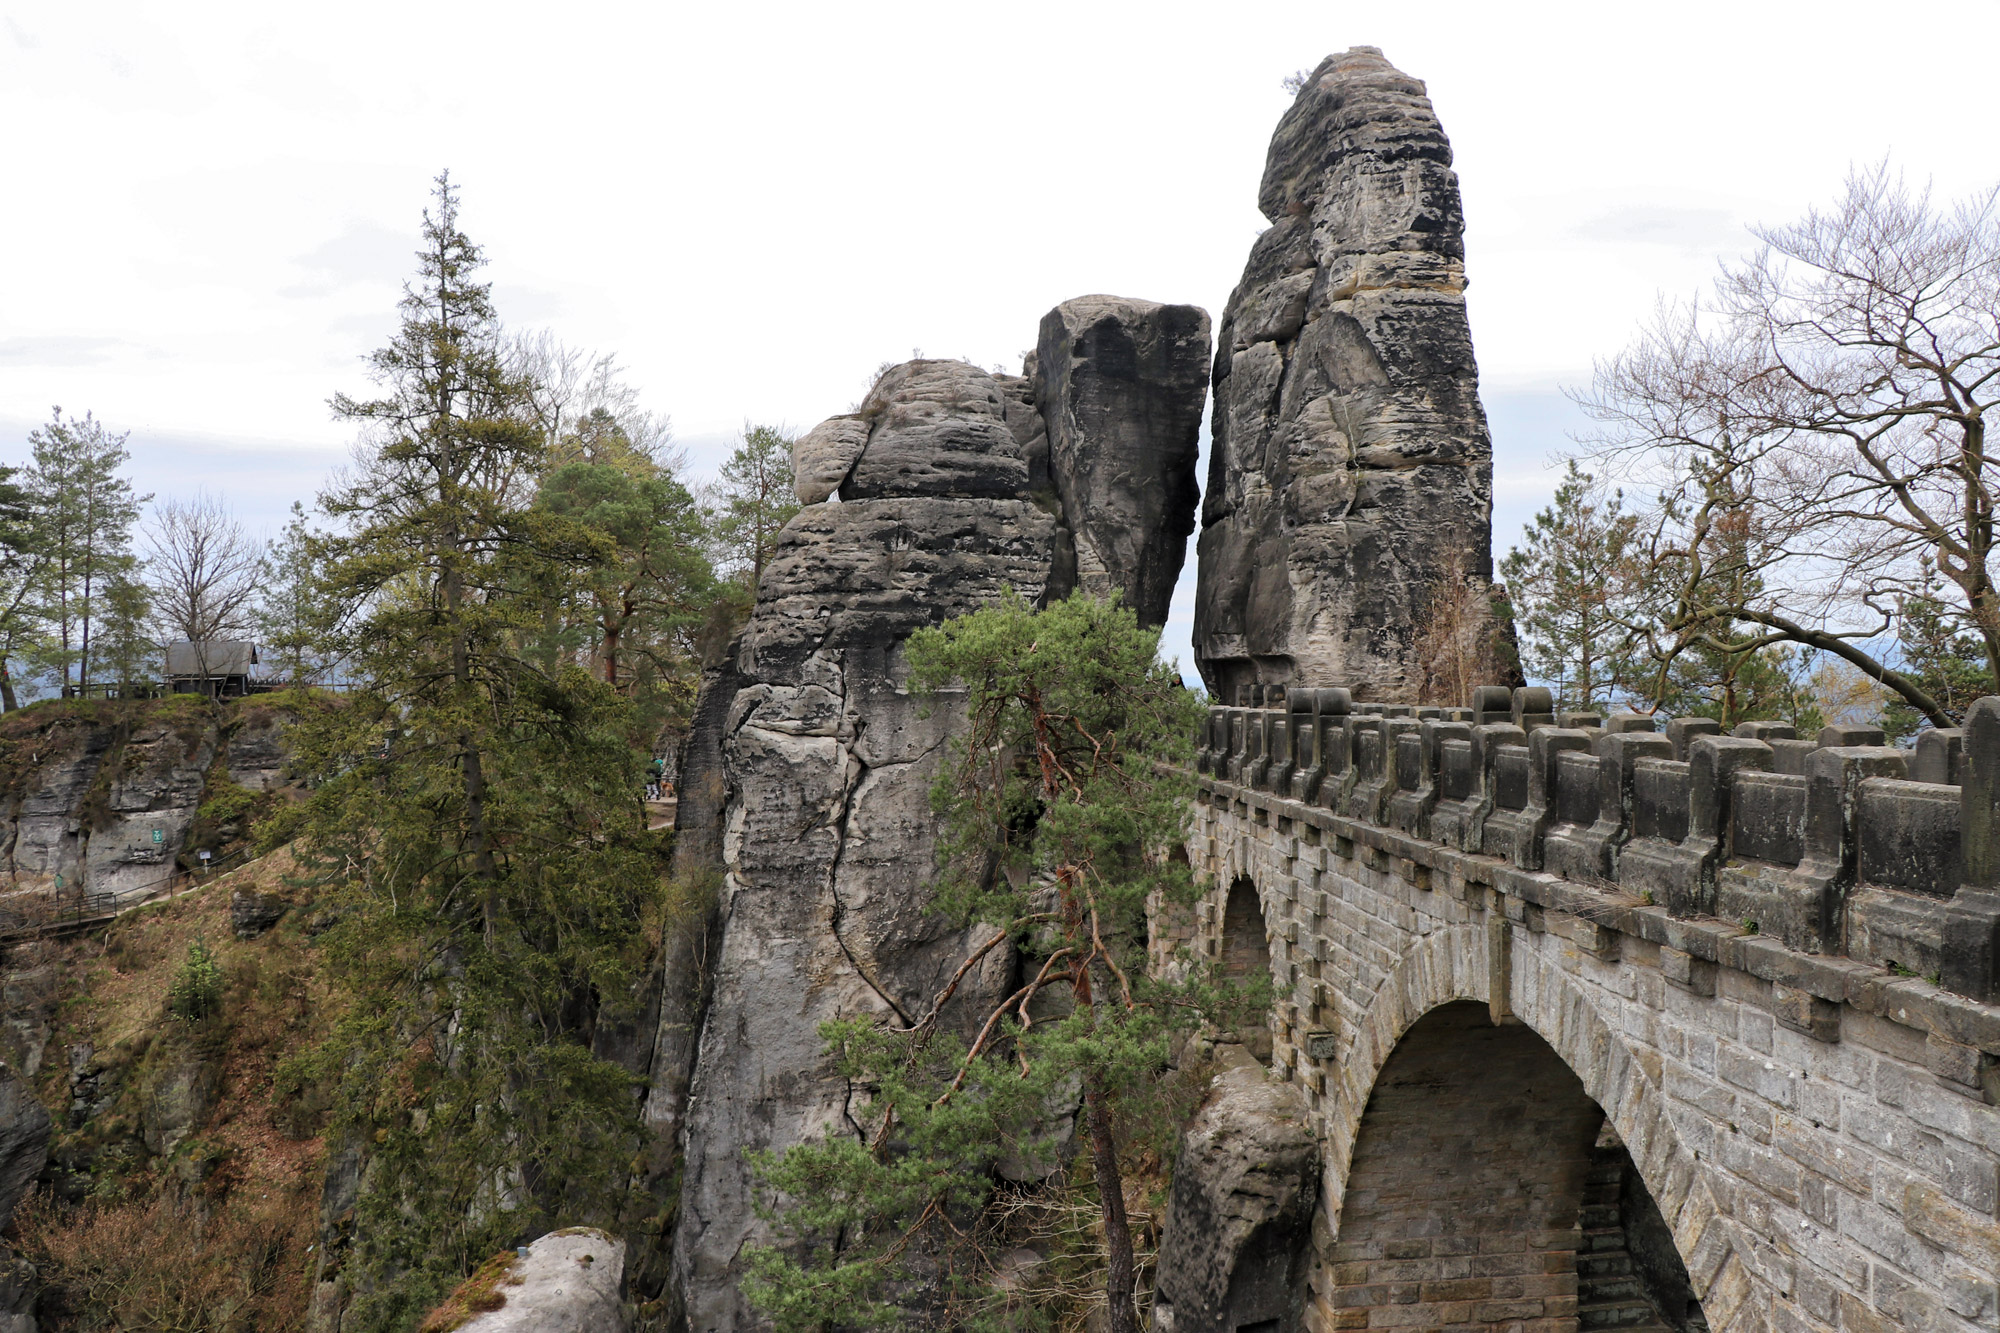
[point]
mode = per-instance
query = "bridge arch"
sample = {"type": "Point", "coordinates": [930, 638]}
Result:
{"type": "Point", "coordinates": [1568, 1102]}
{"type": "Point", "coordinates": [1246, 952]}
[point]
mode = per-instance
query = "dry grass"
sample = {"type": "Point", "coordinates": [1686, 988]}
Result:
{"type": "Point", "coordinates": [159, 1245]}
{"type": "Point", "coordinates": [475, 1296]}
{"type": "Point", "coordinates": [179, 1265]}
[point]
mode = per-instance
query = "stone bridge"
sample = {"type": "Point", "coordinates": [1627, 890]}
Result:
{"type": "Point", "coordinates": [1600, 1027]}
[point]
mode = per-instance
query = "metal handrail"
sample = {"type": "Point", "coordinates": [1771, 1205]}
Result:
{"type": "Point", "coordinates": [70, 909]}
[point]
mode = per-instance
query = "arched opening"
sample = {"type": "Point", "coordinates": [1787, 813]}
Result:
{"type": "Point", "coordinates": [1486, 1190]}
{"type": "Point", "coordinates": [1246, 956]}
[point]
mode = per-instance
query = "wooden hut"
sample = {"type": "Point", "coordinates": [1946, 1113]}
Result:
{"type": "Point", "coordinates": [218, 668]}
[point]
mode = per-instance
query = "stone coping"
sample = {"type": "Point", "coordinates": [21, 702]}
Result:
{"type": "Point", "coordinates": [1907, 1001]}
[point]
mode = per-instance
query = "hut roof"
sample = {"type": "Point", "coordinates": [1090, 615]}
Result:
{"type": "Point", "coordinates": [211, 658]}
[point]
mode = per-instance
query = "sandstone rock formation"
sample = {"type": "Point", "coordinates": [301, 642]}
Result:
{"type": "Point", "coordinates": [807, 775]}
{"type": "Point", "coordinates": [566, 1282]}
{"type": "Point", "coordinates": [91, 786]}
{"type": "Point", "coordinates": [1115, 381]}
{"type": "Point", "coordinates": [1241, 1211]}
{"type": "Point", "coordinates": [24, 1142]}
{"type": "Point", "coordinates": [1350, 476]}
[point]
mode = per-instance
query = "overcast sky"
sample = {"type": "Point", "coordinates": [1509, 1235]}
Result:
{"type": "Point", "coordinates": [209, 208]}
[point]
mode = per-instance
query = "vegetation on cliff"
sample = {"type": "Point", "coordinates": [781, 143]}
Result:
{"type": "Point", "coordinates": [474, 829]}
{"type": "Point", "coordinates": [184, 1181]}
{"type": "Point", "coordinates": [1066, 782]}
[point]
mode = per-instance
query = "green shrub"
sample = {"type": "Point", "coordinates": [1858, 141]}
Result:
{"type": "Point", "coordinates": [227, 801]}
{"type": "Point", "coordinates": [278, 827]}
{"type": "Point", "coordinates": [196, 991]}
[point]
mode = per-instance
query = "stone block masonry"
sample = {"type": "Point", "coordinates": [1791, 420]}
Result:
{"type": "Point", "coordinates": [1556, 948]}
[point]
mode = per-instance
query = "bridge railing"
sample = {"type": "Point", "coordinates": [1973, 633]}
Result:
{"type": "Point", "coordinates": [1838, 843]}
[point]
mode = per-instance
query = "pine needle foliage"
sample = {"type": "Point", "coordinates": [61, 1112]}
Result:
{"type": "Point", "coordinates": [474, 823]}
{"type": "Point", "coordinates": [1065, 785]}
{"type": "Point", "coordinates": [196, 990]}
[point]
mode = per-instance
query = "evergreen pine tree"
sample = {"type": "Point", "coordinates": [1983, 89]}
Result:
{"type": "Point", "coordinates": [1943, 652]}
{"type": "Point", "coordinates": [295, 619]}
{"type": "Point", "coordinates": [21, 556]}
{"type": "Point", "coordinates": [1066, 782]}
{"type": "Point", "coordinates": [474, 820]}
{"type": "Point", "coordinates": [1568, 582]}
{"type": "Point", "coordinates": [645, 601]}
{"type": "Point", "coordinates": [83, 517]}
{"type": "Point", "coordinates": [757, 499]}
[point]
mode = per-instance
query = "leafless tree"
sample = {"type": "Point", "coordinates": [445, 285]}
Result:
{"type": "Point", "coordinates": [572, 393]}
{"type": "Point", "coordinates": [1816, 435]}
{"type": "Point", "coordinates": [202, 567]}
{"type": "Point", "coordinates": [1463, 641]}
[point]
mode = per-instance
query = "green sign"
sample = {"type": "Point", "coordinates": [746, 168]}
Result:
{"type": "Point", "coordinates": [159, 836]}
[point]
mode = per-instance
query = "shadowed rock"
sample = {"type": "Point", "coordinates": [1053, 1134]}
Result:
{"type": "Point", "coordinates": [24, 1142]}
{"type": "Point", "coordinates": [1241, 1210]}
{"type": "Point", "coordinates": [1121, 385]}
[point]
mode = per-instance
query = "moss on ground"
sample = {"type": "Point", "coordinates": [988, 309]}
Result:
{"type": "Point", "coordinates": [475, 1296]}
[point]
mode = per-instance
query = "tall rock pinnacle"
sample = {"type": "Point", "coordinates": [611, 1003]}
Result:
{"type": "Point", "coordinates": [1351, 475]}
{"type": "Point", "coordinates": [806, 779]}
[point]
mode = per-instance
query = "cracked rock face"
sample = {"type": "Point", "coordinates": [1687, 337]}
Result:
{"type": "Point", "coordinates": [24, 1141]}
{"type": "Point", "coordinates": [1241, 1208]}
{"type": "Point", "coordinates": [1350, 478]}
{"type": "Point", "coordinates": [823, 828]}
{"type": "Point", "coordinates": [96, 796]}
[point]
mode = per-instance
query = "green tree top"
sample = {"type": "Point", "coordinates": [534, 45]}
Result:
{"type": "Point", "coordinates": [83, 512]}
{"type": "Point", "coordinates": [757, 499]}
{"type": "Point", "coordinates": [474, 816]}
{"type": "Point", "coordinates": [1567, 581]}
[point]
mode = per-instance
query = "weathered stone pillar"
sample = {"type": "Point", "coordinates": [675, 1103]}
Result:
{"type": "Point", "coordinates": [1971, 953]}
{"type": "Point", "coordinates": [1351, 474]}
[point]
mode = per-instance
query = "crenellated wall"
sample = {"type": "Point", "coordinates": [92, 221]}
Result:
{"type": "Point", "coordinates": [1815, 1126]}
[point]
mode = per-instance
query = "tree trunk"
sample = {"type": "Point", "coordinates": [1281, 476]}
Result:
{"type": "Point", "coordinates": [474, 770]}
{"type": "Point", "coordinates": [1120, 1279]}
{"type": "Point", "coordinates": [7, 701]}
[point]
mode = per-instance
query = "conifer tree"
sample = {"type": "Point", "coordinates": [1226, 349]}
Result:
{"type": "Point", "coordinates": [83, 515]}
{"type": "Point", "coordinates": [1568, 584]}
{"type": "Point", "coordinates": [475, 820]}
{"type": "Point", "coordinates": [757, 499]}
{"type": "Point", "coordinates": [20, 569]}
{"type": "Point", "coordinates": [295, 620]}
{"type": "Point", "coordinates": [644, 602]}
{"type": "Point", "coordinates": [1059, 797]}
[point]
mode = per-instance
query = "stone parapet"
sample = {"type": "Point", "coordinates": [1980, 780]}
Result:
{"type": "Point", "coordinates": [1819, 1131]}
{"type": "Point", "coordinates": [1840, 846]}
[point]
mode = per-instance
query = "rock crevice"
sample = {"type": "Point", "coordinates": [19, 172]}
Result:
{"type": "Point", "coordinates": [806, 783]}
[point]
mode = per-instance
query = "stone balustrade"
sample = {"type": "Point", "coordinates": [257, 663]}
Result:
{"type": "Point", "coordinates": [1839, 844]}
